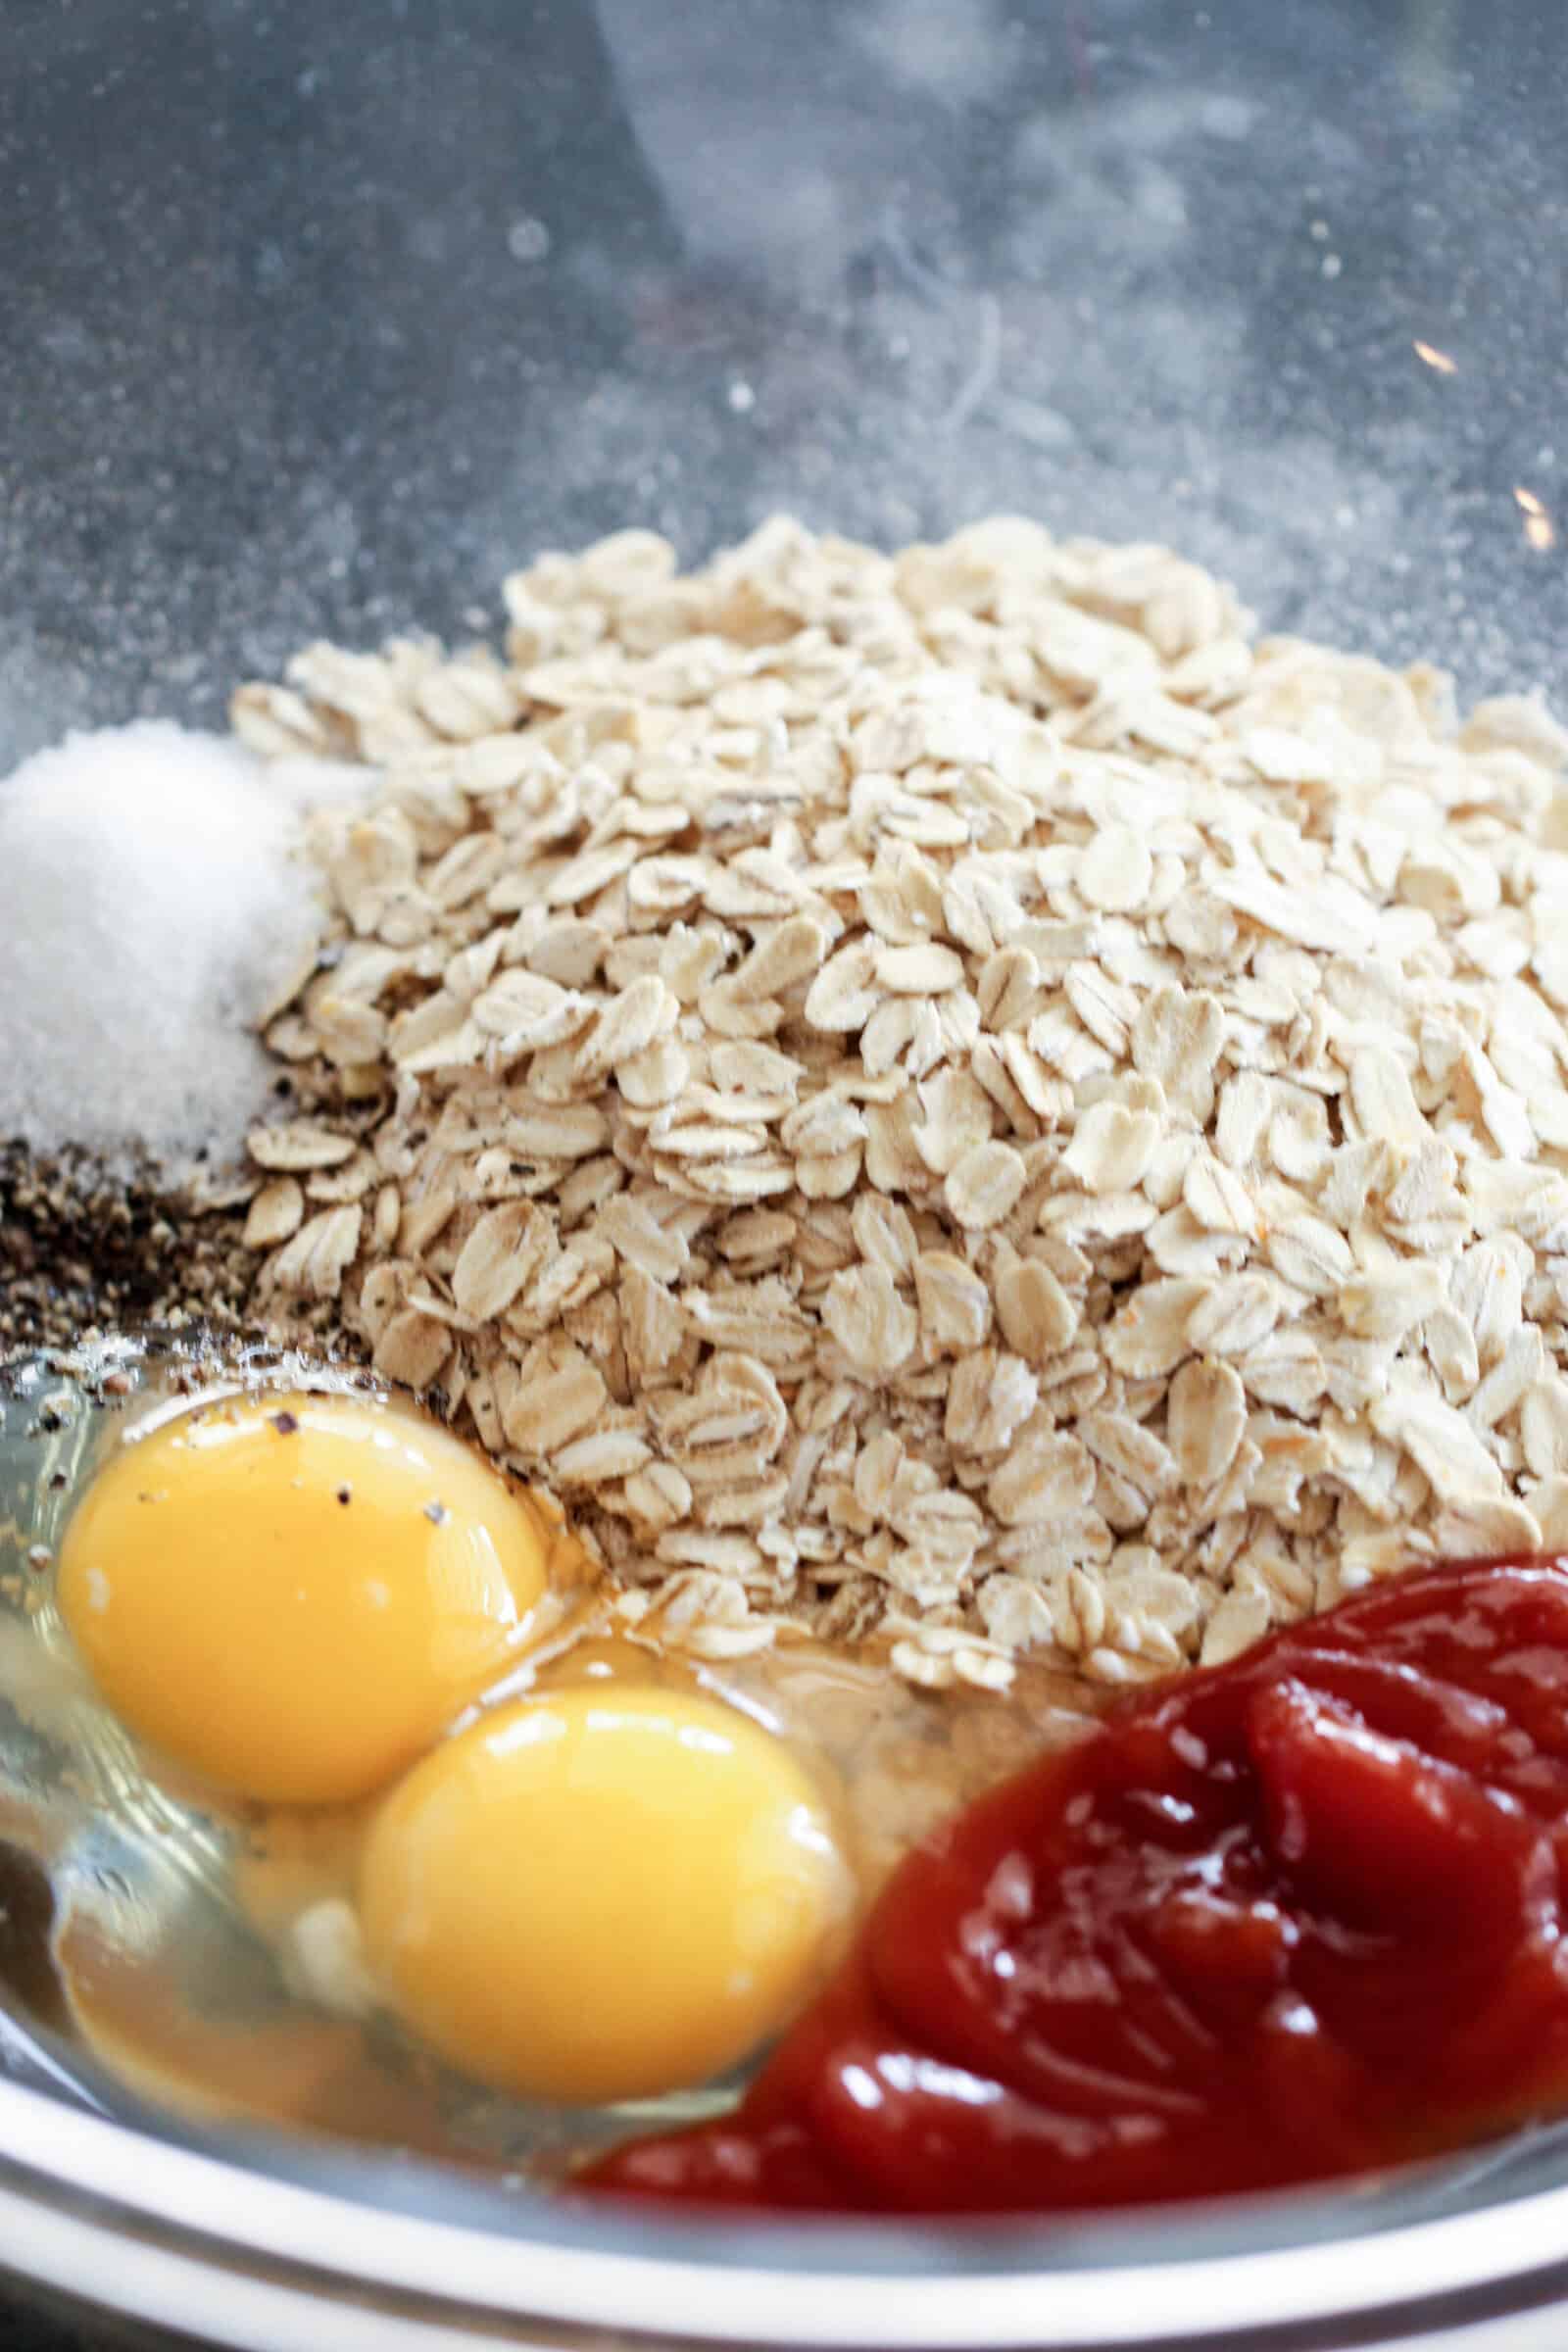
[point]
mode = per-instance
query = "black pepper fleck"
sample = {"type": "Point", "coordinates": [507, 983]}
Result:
{"type": "Point", "coordinates": [345, 1493]}
{"type": "Point", "coordinates": [285, 1424]}
{"type": "Point", "coordinates": [437, 1513]}
{"type": "Point", "coordinates": [81, 1248]}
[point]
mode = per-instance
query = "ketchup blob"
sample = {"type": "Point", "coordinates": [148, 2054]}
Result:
{"type": "Point", "coordinates": [1295, 1916]}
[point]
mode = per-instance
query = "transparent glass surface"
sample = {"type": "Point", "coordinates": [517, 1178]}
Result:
{"type": "Point", "coordinates": [315, 321]}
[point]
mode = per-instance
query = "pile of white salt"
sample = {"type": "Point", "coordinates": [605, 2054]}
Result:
{"type": "Point", "coordinates": [154, 897]}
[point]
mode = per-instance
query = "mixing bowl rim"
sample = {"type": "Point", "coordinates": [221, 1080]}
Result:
{"type": "Point", "coordinates": [117, 2185]}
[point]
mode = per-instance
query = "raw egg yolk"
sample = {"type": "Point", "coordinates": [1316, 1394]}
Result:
{"type": "Point", "coordinates": [602, 1894]}
{"type": "Point", "coordinates": [291, 1596]}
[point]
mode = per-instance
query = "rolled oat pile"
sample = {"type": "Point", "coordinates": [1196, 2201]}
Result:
{"type": "Point", "coordinates": [951, 1097]}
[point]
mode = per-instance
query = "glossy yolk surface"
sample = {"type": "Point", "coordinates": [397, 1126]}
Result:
{"type": "Point", "coordinates": [291, 1596]}
{"type": "Point", "coordinates": [603, 1894]}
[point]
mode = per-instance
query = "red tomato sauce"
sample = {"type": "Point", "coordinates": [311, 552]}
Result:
{"type": "Point", "coordinates": [1292, 1916]}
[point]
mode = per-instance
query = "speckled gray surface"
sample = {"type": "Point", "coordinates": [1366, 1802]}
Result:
{"type": "Point", "coordinates": [317, 319]}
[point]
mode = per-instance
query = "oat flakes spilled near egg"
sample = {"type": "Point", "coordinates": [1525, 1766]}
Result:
{"type": "Point", "coordinates": [953, 1098]}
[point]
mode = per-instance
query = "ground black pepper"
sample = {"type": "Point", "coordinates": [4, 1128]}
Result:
{"type": "Point", "coordinates": [83, 1250]}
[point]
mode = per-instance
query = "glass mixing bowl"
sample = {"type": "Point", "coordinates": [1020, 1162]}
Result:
{"type": "Point", "coordinates": [315, 321]}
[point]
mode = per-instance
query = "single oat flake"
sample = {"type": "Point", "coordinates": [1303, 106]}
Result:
{"type": "Point", "coordinates": [954, 1099]}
